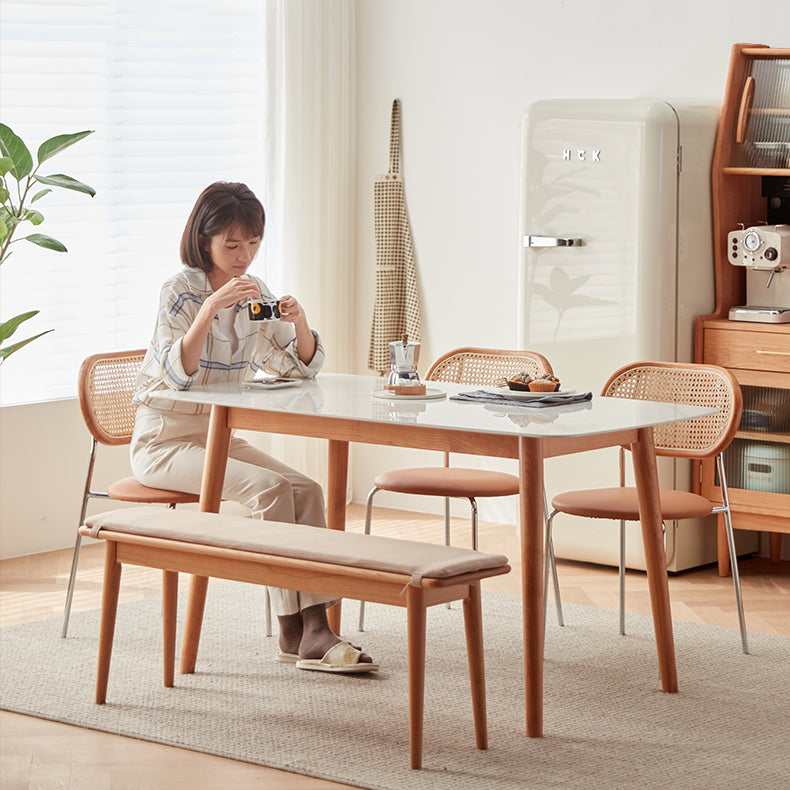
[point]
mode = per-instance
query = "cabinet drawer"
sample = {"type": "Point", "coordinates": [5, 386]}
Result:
{"type": "Point", "coordinates": [748, 350]}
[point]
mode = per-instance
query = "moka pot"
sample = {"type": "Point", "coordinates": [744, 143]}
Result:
{"type": "Point", "coordinates": [404, 356]}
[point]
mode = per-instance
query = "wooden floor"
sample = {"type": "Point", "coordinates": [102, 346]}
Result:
{"type": "Point", "coordinates": [40, 754]}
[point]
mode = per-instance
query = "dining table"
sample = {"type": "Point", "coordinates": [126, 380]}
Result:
{"type": "Point", "coordinates": [345, 408]}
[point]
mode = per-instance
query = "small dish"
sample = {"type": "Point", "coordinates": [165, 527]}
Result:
{"type": "Point", "coordinates": [273, 383]}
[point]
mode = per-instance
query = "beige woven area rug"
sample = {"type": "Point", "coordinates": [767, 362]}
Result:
{"type": "Point", "coordinates": [607, 724]}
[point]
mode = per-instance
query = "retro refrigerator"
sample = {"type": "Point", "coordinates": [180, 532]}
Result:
{"type": "Point", "coordinates": [615, 264]}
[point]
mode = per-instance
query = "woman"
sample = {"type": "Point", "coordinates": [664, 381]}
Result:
{"type": "Point", "coordinates": [203, 335]}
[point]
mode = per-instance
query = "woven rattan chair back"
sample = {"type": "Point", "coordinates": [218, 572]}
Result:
{"type": "Point", "coordinates": [689, 384]}
{"type": "Point", "coordinates": [485, 367]}
{"type": "Point", "coordinates": [106, 385]}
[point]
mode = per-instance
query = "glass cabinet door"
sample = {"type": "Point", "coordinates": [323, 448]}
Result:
{"type": "Point", "coordinates": [759, 457]}
{"type": "Point", "coordinates": [762, 135]}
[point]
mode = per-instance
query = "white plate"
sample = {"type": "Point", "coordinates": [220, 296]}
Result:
{"type": "Point", "coordinates": [520, 395]}
{"type": "Point", "coordinates": [430, 394]}
{"type": "Point", "coordinates": [273, 383]}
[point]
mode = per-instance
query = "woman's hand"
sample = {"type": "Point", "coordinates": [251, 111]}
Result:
{"type": "Point", "coordinates": [291, 310]}
{"type": "Point", "coordinates": [239, 289]}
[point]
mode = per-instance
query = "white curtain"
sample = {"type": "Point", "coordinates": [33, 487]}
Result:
{"type": "Point", "coordinates": [309, 197]}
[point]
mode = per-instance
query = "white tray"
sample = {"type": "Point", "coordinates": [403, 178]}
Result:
{"type": "Point", "coordinates": [430, 394]}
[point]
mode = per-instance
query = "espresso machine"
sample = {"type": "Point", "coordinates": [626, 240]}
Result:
{"type": "Point", "coordinates": [764, 249]}
{"type": "Point", "coordinates": [765, 252]}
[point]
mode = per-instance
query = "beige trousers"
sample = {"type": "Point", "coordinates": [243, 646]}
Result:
{"type": "Point", "coordinates": [168, 450]}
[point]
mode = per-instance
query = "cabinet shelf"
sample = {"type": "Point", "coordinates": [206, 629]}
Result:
{"type": "Point", "coordinates": [756, 171]}
{"type": "Point", "coordinates": [763, 436]}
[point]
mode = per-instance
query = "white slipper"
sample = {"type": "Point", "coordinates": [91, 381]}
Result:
{"type": "Point", "coordinates": [287, 658]}
{"type": "Point", "coordinates": [341, 658]}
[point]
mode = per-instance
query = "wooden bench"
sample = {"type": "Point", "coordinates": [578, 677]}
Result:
{"type": "Point", "coordinates": [346, 564]}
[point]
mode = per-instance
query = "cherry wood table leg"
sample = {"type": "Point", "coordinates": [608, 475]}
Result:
{"type": "Point", "coordinates": [531, 516]}
{"type": "Point", "coordinates": [775, 546]}
{"type": "Point", "coordinates": [337, 481]}
{"type": "Point", "coordinates": [169, 615]}
{"type": "Point", "coordinates": [415, 628]}
{"type": "Point", "coordinates": [109, 606]}
{"type": "Point", "coordinates": [473, 626]}
{"type": "Point", "coordinates": [652, 538]}
{"type": "Point", "coordinates": [217, 444]}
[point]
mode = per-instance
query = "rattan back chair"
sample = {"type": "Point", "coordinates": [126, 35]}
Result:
{"type": "Point", "coordinates": [485, 367]}
{"type": "Point", "coordinates": [701, 438]}
{"type": "Point", "coordinates": [105, 388]}
{"type": "Point", "coordinates": [474, 367]}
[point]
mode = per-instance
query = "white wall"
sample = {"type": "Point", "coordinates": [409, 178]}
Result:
{"type": "Point", "coordinates": [44, 451]}
{"type": "Point", "coordinates": [43, 461]}
{"type": "Point", "coordinates": [465, 71]}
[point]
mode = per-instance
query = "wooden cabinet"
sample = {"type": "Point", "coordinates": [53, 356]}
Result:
{"type": "Point", "coordinates": [751, 166]}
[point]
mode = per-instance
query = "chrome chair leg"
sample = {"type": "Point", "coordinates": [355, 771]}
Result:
{"type": "Point", "coordinates": [621, 574]}
{"type": "Point", "coordinates": [556, 580]}
{"type": "Point", "coordinates": [549, 566]}
{"type": "Point", "coordinates": [736, 578]}
{"type": "Point", "coordinates": [473, 503]}
{"type": "Point", "coordinates": [75, 558]}
{"type": "Point", "coordinates": [368, 518]}
{"type": "Point", "coordinates": [267, 602]}
{"type": "Point", "coordinates": [448, 605]}
{"type": "Point", "coordinates": [621, 565]}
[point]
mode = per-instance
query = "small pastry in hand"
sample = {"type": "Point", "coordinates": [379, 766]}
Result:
{"type": "Point", "coordinates": [547, 383]}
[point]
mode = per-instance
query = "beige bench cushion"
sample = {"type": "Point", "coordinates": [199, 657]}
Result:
{"type": "Point", "coordinates": [413, 558]}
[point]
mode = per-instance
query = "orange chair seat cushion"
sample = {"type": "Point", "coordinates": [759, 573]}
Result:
{"type": "Point", "coordinates": [129, 490]}
{"type": "Point", "coordinates": [448, 482]}
{"type": "Point", "coordinates": [622, 503]}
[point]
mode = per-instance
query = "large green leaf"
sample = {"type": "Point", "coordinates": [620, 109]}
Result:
{"type": "Point", "coordinates": [13, 147]}
{"type": "Point", "coordinates": [40, 194]}
{"type": "Point", "coordinates": [55, 145]}
{"type": "Point", "coordinates": [8, 350]}
{"type": "Point", "coordinates": [7, 328]}
{"type": "Point", "coordinates": [6, 163]}
{"type": "Point", "coordinates": [46, 241]}
{"type": "Point", "coordinates": [66, 182]}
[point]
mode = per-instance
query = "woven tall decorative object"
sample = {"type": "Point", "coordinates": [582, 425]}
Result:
{"type": "Point", "coordinates": [397, 308]}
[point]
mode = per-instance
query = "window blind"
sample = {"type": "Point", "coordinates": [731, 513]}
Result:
{"type": "Point", "coordinates": [175, 93]}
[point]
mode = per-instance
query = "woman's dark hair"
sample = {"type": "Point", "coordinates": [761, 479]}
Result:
{"type": "Point", "coordinates": [221, 207]}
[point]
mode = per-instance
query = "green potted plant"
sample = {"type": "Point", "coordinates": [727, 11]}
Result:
{"type": "Point", "coordinates": [18, 180]}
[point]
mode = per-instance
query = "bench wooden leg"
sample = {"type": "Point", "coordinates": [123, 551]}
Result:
{"type": "Point", "coordinates": [473, 625]}
{"type": "Point", "coordinates": [109, 608]}
{"type": "Point", "coordinates": [169, 616]}
{"type": "Point", "coordinates": [415, 617]}
{"type": "Point", "coordinates": [196, 602]}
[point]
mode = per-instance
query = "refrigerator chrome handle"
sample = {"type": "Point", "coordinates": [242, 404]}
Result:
{"type": "Point", "coordinates": [549, 241]}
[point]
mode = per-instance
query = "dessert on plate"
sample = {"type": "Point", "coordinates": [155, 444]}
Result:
{"type": "Point", "coordinates": [523, 382]}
